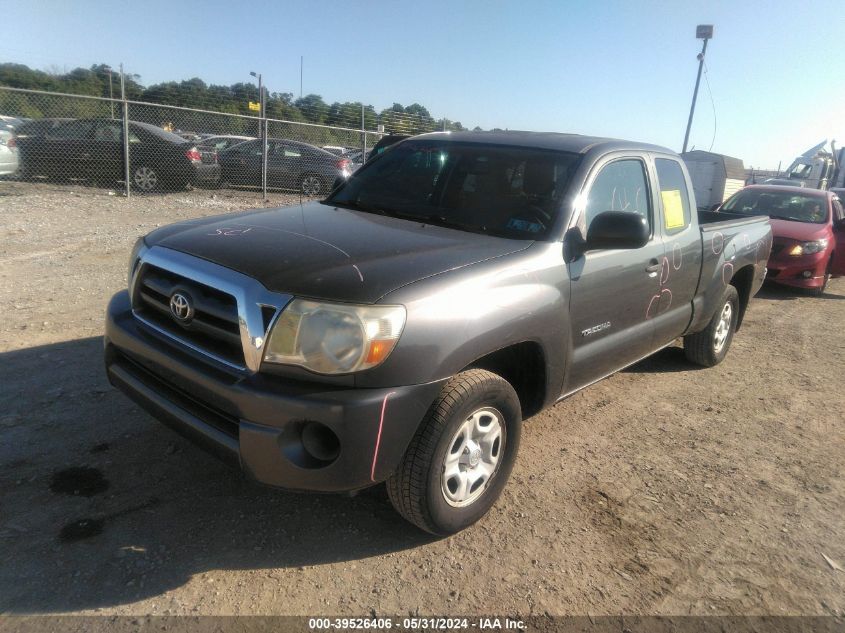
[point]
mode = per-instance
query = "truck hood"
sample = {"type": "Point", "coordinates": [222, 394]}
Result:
{"type": "Point", "coordinates": [319, 251]}
{"type": "Point", "coordinates": [800, 231]}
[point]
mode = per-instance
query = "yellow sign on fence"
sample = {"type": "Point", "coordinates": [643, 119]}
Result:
{"type": "Point", "coordinates": [255, 106]}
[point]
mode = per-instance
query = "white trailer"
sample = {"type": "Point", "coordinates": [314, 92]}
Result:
{"type": "Point", "coordinates": [715, 177]}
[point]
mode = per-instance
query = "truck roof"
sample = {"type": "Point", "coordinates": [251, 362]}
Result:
{"type": "Point", "coordinates": [575, 143]}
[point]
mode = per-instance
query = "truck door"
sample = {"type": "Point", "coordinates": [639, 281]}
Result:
{"type": "Point", "coordinates": [614, 293]}
{"type": "Point", "coordinates": [681, 266]}
{"type": "Point", "coordinates": [837, 266]}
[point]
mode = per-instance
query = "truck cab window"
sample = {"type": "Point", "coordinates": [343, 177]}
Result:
{"type": "Point", "coordinates": [673, 194]}
{"type": "Point", "coordinates": [620, 186]}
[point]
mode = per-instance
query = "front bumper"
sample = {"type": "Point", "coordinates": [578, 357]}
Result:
{"type": "Point", "coordinates": [257, 420]}
{"type": "Point", "coordinates": [790, 271]}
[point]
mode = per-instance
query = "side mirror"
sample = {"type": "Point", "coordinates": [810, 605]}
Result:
{"type": "Point", "coordinates": [716, 206]}
{"type": "Point", "coordinates": [617, 229]}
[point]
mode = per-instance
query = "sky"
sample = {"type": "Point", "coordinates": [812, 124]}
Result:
{"type": "Point", "coordinates": [624, 69]}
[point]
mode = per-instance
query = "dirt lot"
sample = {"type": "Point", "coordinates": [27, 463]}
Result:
{"type": "Point", "coordinates": [662, 490]}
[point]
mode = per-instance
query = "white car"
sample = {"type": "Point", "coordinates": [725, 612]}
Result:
{"type": "Point", "coordinates": [8, 150]}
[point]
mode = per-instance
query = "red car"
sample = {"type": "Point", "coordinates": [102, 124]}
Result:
{"type": "Point", "coordinates": [808, 229]}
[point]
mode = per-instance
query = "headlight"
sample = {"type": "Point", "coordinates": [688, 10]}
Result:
{"type": "Point", "coordinates": [333, 338]}
{"type": "Point", "coordinates": [137, 250]}
{"type": "Point", "coordinates": [808, 248]}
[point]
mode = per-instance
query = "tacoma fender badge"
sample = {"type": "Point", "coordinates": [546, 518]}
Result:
{"type": "Point", "coordinates": [596, 328]}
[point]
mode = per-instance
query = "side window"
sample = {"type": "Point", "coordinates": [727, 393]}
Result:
{"type": "Point", "coordinates": [620, 186]}
{"type": "Point", "coordinates": [107, 131]}
{"type": "Point", "coordinates": [673, 194]}
{"type": "Point", "coordinates": [74, 130]}
{"type": "Point", "coordinates": [291, 152]}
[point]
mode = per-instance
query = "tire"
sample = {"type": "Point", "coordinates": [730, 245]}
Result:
{"type": "Point", "coordinates": [818, 292]}
{"type": "Point", "coordinates": [145, 178]}
{"type": "Point", "coordinates": [312, 185]}
{"type": "Point", "coordinates": [473, 405]}
{"type": "Point", "coordinates": [710, 346]}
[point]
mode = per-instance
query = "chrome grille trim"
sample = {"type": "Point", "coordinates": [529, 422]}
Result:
{"type": "Point", "coordinates": [250, 297]}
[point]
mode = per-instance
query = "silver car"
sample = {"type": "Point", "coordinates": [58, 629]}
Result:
{"type": "Point", "coordinates": [8, 149]}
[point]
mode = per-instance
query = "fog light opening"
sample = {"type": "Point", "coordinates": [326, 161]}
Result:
{"type": "Point", "coordinates": [807, 274]}
{"type": "Point", "coordinates": [320, 442]}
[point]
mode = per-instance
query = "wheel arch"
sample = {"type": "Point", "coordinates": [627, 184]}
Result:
{"type": "Point", "coordinates": [743, 281]}
{"type": "Point", "coordinates": [523, 365]}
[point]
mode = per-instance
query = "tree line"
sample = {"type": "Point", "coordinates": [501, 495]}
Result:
{"type": "Point", "coordinates": [101, 81]}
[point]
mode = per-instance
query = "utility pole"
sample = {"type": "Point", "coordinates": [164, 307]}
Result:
{"type": "Point", "coordinates": [702, 32]}
{"type": "Point", "coordinates": [111, 91]}
{"type": "Point", "coordinates": [301, 62]}
{"type": "Point", "coordinates": [126, 154]}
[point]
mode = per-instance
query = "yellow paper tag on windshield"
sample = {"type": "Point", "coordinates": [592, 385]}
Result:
{"type": "Point", "coordinates": [673, 209]}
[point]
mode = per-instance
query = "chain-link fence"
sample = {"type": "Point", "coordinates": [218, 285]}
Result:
{"type": "Point", "coordinates": [141, 147]}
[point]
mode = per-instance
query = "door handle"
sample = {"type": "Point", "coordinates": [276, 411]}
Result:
{"type": "Point", "coordinates": [653, 268]}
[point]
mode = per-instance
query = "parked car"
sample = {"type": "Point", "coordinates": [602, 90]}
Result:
{"type": "Point", "coordinates": [8, 149]}
{"type": "Point", "coordinates": [93, 149]}
{"type": "Point", "coordinates": [782, 182]}
{"type": "Point", "coordinates": [401, 329]}
{"type": "Point", "coordinates": [384, 142]}
{"type": "Point", "coordinates": [808, 228]}
{"type": "Point", "coordinates": [290, 165]}
{"type": "Point", "coordinates": [337, 150]}
{"type": "Point", "coordinates": [223, 141]}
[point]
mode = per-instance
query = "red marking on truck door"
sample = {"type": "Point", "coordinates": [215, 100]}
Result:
{"type": "Point", "coordinates": [378, 437]}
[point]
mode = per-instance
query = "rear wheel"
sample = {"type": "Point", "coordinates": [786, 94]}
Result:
{"type": "Point", "coordinates": [146, 178]}
{"type": "Point", "coordinates": [460, 458]}
{"type": "Point", "coordinates": [710, 346]}
{"type": "Point", "coordinates": [312, 185]}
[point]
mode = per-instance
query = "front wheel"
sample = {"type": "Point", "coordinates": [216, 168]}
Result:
{"type": "Point", "coordinates": [710, 346]}
{"type": "Point", "coordinates": [460, 458]}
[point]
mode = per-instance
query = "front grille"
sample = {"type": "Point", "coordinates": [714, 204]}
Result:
{"type": "Point", "coordinates": [205, 411]}
{"type": "Point", "coordinates": [214, 328]}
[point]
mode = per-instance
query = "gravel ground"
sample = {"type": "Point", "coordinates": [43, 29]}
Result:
{"type": "Point", "coordinates": [664, 489]}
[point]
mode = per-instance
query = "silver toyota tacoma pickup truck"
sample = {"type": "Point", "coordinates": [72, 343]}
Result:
{"type": "Point", "coordinates": [401, 330]}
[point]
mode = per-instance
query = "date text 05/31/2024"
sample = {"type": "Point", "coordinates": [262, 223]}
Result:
{"type": "Point", "coordinates": [416, 624]}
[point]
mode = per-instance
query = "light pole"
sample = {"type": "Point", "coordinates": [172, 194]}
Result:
{"type": "Point", "coordinates": [702, 32]}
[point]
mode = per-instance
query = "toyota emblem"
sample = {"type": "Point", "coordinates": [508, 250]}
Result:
{"type": "Point", "coordinates": [181, 307]}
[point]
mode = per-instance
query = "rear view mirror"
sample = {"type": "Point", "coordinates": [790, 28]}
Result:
{"type": "Point", "coordinates": [617, 229]}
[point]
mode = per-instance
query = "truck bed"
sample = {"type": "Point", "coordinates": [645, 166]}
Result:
{"type": "Point", "coordinates": [731, 245]}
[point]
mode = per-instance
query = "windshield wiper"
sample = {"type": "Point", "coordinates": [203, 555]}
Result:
{"type": "Point", "coordinates": [356, 206]}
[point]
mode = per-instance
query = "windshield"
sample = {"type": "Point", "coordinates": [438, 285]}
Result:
{"type": "Point", "coordinates": [512, 192]}
{"type": "Point", "coordinates": [781, 205]}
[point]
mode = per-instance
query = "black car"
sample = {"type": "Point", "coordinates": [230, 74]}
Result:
{"type": "Point", "coordinates": [93, 149]}
{"type": "Point", "coordinates": [290, 165]}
